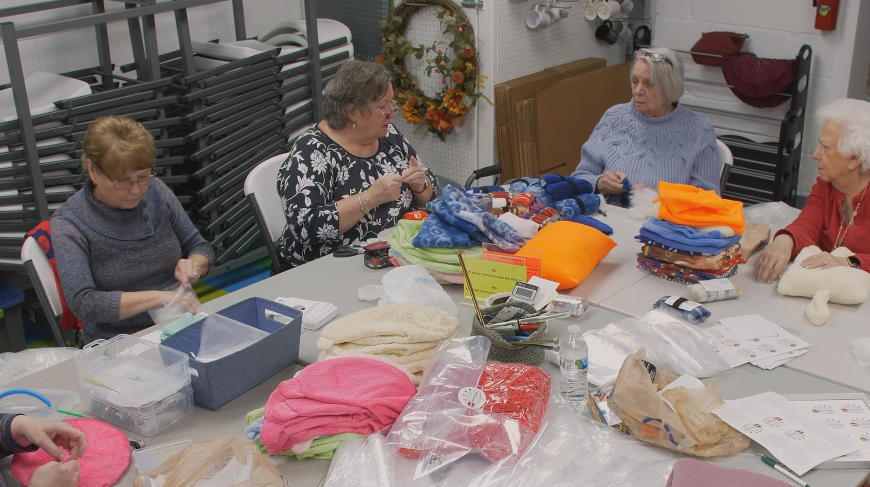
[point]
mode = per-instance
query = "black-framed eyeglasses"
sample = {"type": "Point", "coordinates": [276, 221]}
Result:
{"type": "Point", "coordinates": [656, 57]}
{"type": "Point", "coordinates": [394, 107]}
{"type": "Point", "coordinates": [125, 184]}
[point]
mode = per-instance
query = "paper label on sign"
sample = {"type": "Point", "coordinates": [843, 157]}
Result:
{"type": "Point", "coordinates": [531, 263]}
{"type": "Point", "coordinates": [717, 285]}
{"type": "Point", "coordinates": [472, 397]}
{"type": "Point", "coordinates": [490, 278]}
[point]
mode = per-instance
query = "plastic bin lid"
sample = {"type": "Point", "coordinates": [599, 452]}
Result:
{"type": "Point", "coordinates": [31, 406]}
{"type": "Point", "coordinates": [147, 459]}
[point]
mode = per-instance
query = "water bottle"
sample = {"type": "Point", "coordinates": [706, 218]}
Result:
{"type": "Point", "coordinates": [574, 365]}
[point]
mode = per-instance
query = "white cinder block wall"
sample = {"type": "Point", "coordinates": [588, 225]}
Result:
{"type": "Point", "coordinates": [76, 49]}
{"type": "Point", "coordinates": [776, 29]}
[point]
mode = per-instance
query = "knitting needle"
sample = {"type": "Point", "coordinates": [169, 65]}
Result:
{"type": "Point", "coordinates": [97, 383]}
{"type": "Point", "coordinates": [470, 289]}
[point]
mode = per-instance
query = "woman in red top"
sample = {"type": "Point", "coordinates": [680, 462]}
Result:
{"type": "Point", "coordinates": [835, 214]}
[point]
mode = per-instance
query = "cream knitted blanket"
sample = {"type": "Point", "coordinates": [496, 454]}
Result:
{"type": "Point", "coordinates": [407, 334]}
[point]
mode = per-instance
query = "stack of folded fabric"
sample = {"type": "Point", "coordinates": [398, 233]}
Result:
{"type": "Point", "coordinates": [441, 262]}
{"type": "Point", "coordinates": [318, 448]}
{"type": "Point", "coordinates": [406, 334]}
{"type": "Point", "coordinates": [694, 237]}
{"type": "Point", "coordinates": [360, 395]}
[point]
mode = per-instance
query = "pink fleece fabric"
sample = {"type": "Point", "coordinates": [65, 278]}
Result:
{"type": "Point", "coordinates": [342, 395]}
{"type": "Point", "coordinates": [693, 473]}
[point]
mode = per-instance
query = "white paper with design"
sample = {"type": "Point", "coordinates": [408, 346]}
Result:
{"type": "Point", "coordinates": [773, 340]}
{"type": "Point", "coordinates": [846, 417]}
{"type": "Point", "coordinates": [794, 437]}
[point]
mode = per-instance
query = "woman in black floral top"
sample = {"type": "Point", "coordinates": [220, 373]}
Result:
{"type": "Point", "coordinates": [353, 174]}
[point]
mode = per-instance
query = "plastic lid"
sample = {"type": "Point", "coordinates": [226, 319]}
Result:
{"type": "Point", "coordinates": [575, 330]}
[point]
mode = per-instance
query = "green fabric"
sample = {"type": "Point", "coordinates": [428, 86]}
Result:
{"type": "Point", "coordinates": [322, 449]}
{"type": "Point", "coordinates": [436, 259]}
{"type": "Point", "coordinates": [181, 323]}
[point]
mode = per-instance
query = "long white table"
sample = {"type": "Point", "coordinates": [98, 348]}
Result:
{"type": "Point", "coordinates": [828, 357]}
{"type": "Point", "coordinates": [337, 280]}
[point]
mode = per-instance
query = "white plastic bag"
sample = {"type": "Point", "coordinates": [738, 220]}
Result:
{"type": "Point", "coordinates": [222, 336]}
{"type": "Point", "coordinates": [14, 366]}
{"type": "Point", "coordinates": [669, 342]}
{"type": "Point", "coordinates": [174, 309]}
{"type": "Point", "coordinates": [414, 284]}
{"type": "Point", "coordinates": [776, 215]}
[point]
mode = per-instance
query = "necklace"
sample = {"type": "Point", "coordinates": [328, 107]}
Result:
{"type": "Point", "coordinates": [845, 228]}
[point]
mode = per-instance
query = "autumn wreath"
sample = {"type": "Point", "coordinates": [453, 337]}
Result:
{"type": "Point", "coordinates": [456, 62]}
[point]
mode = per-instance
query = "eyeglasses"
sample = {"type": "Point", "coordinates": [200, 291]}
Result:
{"type": "Point", "coordinates": [656, 57]}
{"type": "Point", "coordinates": [125, 184]}
{"type": "Point", "coordinates": [394, 107]}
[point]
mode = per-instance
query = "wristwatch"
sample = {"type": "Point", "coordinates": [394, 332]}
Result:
{"type": "Point", "coordinates": [854, 262]}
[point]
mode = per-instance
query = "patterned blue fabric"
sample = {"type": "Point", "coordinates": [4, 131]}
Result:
{"type": "Point", "coordinates": [531, 185]}
{"type": "Point", "coordinates": [456, 210]}
{"type": "Point", "coordinates": [585, 204]}
{"type": "Point", "coordinates": [696, 315]}
{"type": "Point", "coordinates": [564, 187]}
{"type": "Point", "coordinates": [435, 232]}
{"type": "Point", "coordinates": [679, 147]}
{"type": "Point", "coordinates": [688, 235]}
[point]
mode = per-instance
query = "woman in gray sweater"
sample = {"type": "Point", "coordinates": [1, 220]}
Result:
{"type": "Point", "coordinates": [124, 237]}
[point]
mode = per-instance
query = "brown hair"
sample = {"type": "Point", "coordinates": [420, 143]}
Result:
{"type": "Point", "coordinates": [118, 145]}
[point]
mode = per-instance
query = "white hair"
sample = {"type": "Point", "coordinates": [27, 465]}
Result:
{"type": "Point", "coordinates": [666, 75]}
{"type": "Point", "coordinates": [853, 118]}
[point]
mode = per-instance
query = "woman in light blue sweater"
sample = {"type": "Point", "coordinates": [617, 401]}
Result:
{"type": "Point", "coordinates": [653, 138]}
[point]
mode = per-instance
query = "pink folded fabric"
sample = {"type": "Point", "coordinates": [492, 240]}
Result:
{"type": "Point", "coordinates": [693, 473]}
{"type": "Point", "coordinates": [341, 395]}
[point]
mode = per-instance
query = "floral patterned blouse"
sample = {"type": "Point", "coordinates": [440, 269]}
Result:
{"type": "Point", "coordinates": [318, 173]}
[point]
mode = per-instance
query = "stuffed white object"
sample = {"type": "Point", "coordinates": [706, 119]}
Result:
{"type": "Point", "coordinates": [841, 284]}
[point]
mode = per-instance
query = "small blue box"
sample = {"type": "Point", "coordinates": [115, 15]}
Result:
{"type": "Point", "coordinates": [219, 382]}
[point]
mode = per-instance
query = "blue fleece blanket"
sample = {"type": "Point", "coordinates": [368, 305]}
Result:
{"type": "Point", "coordinates": [679, 246]}
{"type": "Point", "coordinates": [688, 235]}
{"type": "Point", "coordinates": [592, 222]}
{"type": "Point", "coordinates": [455, 210]}
{"type": "Point", "coordinates": [585, 204]}
{"type": "Point", "coordinates": [435, 232]}
{"type": "Point", "coordinates": [531, 185]}
{"type": "Point", "coordinates": [564, 187]}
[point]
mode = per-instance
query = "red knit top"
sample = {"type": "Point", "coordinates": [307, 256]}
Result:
{"type": "Point", "coordinates": [820, 220]}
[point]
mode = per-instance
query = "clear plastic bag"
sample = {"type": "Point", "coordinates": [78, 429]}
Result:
{"type": "Point", "coordinates": [175, 308]}
{"type": "Point", "coordinates": [17, 365]}
{"type": "Point", "coordinates": [669, 342]}
{"type": "Point", "coordinates": [414, 284]}
{"type": "Point", "coordinates": [468, 405]}
{"type": "Point", "coordinates": [222, 336]}
{"type": "Point", "coordinates": [776, 215]}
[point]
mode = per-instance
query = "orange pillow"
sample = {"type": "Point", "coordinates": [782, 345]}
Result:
{"type": "Point", "coordinates": [569, 251]}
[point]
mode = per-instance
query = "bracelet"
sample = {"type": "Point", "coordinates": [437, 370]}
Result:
{"type": "Point", "coordinates": [359, 200]}
{"type": "Point", "coordinates": [425, 186]}
{"type": "Point", "coordinates": [366, 212]}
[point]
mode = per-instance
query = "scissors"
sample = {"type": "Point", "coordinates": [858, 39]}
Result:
{"type": "Point", "coordinates": [347, 251]}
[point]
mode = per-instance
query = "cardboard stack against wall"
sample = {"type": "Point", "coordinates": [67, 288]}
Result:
{"type": "Point", "coordinates": [514, 108]}
{"type": "Point", "coordinates": [568, 111]}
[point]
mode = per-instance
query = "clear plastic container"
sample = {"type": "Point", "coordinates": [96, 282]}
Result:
{"type": "Point", "coordinates": [135, 384]}
{"type": "Point", "coordinates": [31, 406]}
{"type": "Point", "coordinates": [147, 459]}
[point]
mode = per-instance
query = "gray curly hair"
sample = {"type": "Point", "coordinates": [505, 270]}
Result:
{"type": "Point", "coordinates": [355, 85]}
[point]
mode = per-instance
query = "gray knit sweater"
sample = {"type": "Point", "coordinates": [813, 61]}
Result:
{"type": "Point", "coordinates": [102, 252]}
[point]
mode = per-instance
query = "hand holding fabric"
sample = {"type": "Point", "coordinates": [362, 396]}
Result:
{"type": "Point", "coordinates": [50, 436]}
{"type": "Point", "coordinates": [187, 272]}
{"type": "Point", "coordinates": [611, 183]}
{"type": "Point", "coordinates": [54, 474]}
{"type": "Point", "coordinates": [387, 188]}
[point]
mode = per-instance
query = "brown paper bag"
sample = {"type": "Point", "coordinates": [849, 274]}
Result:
{"type": "Point", "coordinates": [206, 458]}
{"type": "Point", "coordinates": [690, 428]}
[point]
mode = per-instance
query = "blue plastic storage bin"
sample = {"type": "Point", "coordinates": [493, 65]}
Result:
{"type": "Point", "coordinates": [219, 382]}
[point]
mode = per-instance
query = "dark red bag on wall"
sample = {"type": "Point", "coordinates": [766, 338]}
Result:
{"type": "Point", "coordinates": [719, 43]}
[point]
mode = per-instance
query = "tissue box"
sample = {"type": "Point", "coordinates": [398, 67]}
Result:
{"type": "Point", "coordinates": [220, 381]}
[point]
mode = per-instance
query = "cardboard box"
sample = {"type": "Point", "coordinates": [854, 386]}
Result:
{"type": "Point", "coordinates": [569, 110]}
{"type": "Point", "coordinates": [509, 95]}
